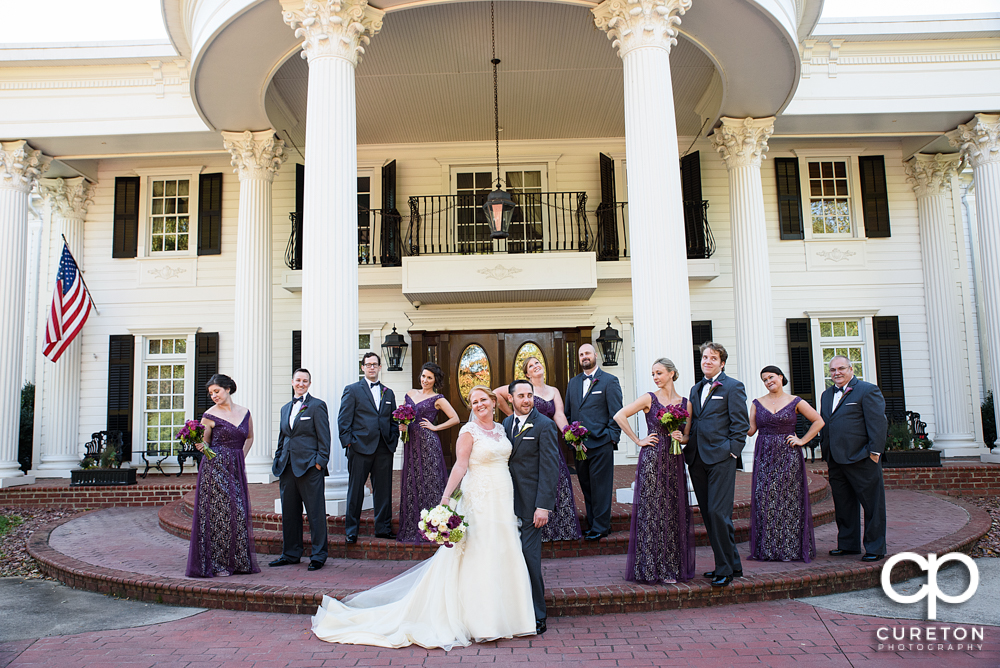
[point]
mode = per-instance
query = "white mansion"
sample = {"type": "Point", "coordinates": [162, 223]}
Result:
{"type": "Point", "coordinates": [286, 182]}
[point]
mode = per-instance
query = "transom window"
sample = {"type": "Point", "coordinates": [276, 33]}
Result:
{"type": "Point", "coordinates": [169, 219]}
{"type": "Point", "coordinates": [842, 337]}
{"type": "Point", "coordinates": [829, 197]}
{"type": "Point", "coordinates": [167, 346]}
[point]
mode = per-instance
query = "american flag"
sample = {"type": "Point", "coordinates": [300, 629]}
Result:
{"type": "Point", "coordinates": [70, 308]}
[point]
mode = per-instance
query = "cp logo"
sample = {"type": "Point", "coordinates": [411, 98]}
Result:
{"type": "Point", "coordinates": [930, 590]}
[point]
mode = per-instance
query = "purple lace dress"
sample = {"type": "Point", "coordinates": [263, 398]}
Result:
{"type": "Point", "coordinates": [221, 532]}
{"type": "Point", "coordinates": [564, 523]}
{"type": "Point", "coordinates": [781, 527]}
{"type": "Point", "coordinates": [661, 538]}
{"type": "Point", "coordinates": [424, 475]}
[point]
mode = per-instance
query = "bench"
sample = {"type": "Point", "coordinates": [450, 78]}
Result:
{"type": "Point", "coordinates": [97, 443]}
{"type": "Point", "coordinates": [163, 453]}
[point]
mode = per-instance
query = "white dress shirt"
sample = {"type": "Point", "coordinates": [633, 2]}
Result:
{"type": "Point", "coordinates": [587, 379]}
{"type": "Point", "coordinates": [705, 389]}
{"type": "Point", "coordinates": [296, 407]}
{"type": "Point", "coordinates": [837, 396]}
{"type": "Point", "coordinates": [376, 391]}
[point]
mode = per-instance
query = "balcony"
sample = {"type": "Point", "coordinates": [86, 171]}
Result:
{"type": "Point", "coordinates": [612, 231]}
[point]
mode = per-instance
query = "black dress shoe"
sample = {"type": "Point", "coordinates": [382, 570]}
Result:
{"type": "Point", "coordinates": [390, 535]}
{"type": "Point", "coordinates": [351, 540]}
{"type": "Point", "coordinates": [711, 574]}
{"type": "Point", "coordinates": [722, 581]}
{"type": "Point", "coordinates": [540, 627]}
{"type": "Point", "coordinates": [281, 561]}
{"type": "Point", "coordinates": [315, 565]}
{"type": "Point", "coordinates": [595, 535]}
{"type": "Point", "coordinates": [872, 557]}
{"type": "Point", "coordinates": [840, 553]}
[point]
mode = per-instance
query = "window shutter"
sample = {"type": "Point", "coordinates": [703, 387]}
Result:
{"type": "Point", "coordinates": [874, 196]}
{"type": "Point", "coordinates": [800, 372]}
{"type": "Point", "coordinates": [789, 198]}
{"type": "Point", "coordinates": [694, 213]}
{"type": "Point", "coordinates": [296, 350]}
{"type": "Point", "coordinates": [210, 214]}
{"type": "Point", "coordinates": [300, 189]}
{"type": "Point", "coordinates": [701, 332]}
{"type": "Point", "coordinates": [125, 242]}
{"type": "Point", "coordinates": [121, 351]}
{"type": "Point", "coordinates": [206, 365]}
{"type": "Point", "coordinates": [607, 179]}
{"type": "Point", "coordinates": [390, 252]}
{"type": "Point", "coordinates": [607, 213]}
{"type": "Point", "coordinates": [889, 366]}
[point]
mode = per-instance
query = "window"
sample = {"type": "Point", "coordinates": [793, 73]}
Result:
{"type": "Point", "coordinates": [527, 350]}
{"type": "Point", "coordinates": [174, 211]}
{"type": "Point", "coordinates": [473, 369]}
{"type": "Point", "coordinates": [165, 372]}
{"type": "Point", "coordinates": [525, 185]}
{"type": "Point", "coordinates": [525, 188]}
{"type": "Point", "coordinates": [169, 220]}
{"type": "Point", "coordinates": [364, 220]}
{"type": "Point", "coordinates": [842, 337]}
{"type": "Point", "coordinates": [829, 206]}
{"type": "Point", "coordinates": [471, 228]}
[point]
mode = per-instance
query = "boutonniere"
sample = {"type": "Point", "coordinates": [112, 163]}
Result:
{"type": "Point", "coordinates": [847, 390]}
{"type": "Point", "coordinates": [304, 406]}
{"type": "Point", "coordinates": [716, 384]}
{"type": "Point", "coordinates": [524, 427]}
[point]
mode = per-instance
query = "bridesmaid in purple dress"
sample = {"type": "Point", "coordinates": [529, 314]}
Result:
{"type": "Point", "coordinates": [661, 538]}
{"type": "Point", "coordinates": [424, 474]}
{"type": "Point", "coordinates": [564, 522]}
{"type": "Point", "coordinates": [221, 532]}
{"type": "Point", "coordinates": [781, 527]}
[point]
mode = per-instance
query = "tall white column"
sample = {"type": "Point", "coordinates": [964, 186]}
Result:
{"type": "Point", "coordinates": [931, 177]}
{"type": "Point", "coordinates": [257, 156]}
{"type": "Point", "coordinates": [334, 36]}
{"type": "Point", "coordinates": [643, 31]}
{"type": "Point", "coordinates": [60, 444]}
{"type": "Point", "coordinates": [742, 143]}
{"type": "Point", "coordinates": [979, 142]}
{"type": "Point", "coordinates": [20, 166]}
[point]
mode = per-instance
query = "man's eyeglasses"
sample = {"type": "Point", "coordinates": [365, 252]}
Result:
{"type": "Point", "coordinates": [371, 365]}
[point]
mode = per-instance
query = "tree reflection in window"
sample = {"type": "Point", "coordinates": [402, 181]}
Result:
{"type": "Point", "coordinates": [524, 352]}
{"type": "Point", "coordinates": [473, 369]}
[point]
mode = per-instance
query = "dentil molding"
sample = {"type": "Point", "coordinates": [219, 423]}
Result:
{"type": "Point", "coordinates": [337, 28]}
{"type": "Point", "coordinates": [979, 141]}
{"type": "Point", "coordinates": [69, 198]}
{"type": "Point", "coordinates": [20, 165]}
{"type": "Point", "coordinates": [633, 24]}
{"type": "Point", "coordinates": [931, 174]}
{"type": "Point", "coordinates": [256, 155]}
{"type": "Point", "coordinates": [742, 142]}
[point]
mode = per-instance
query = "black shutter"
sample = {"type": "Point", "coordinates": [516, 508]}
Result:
{"type": "Point", "coordinates": [607, 213]}
{"type": "Point", "coordinates": [889, 366]}
{"type": "Point", "coordinates": [121, 351]}
{"type": "Point", "coordinates": [874, 196]}
{"type": "Point", "coordinates": [125, 242]}
{"type": "Point", "coordinates": [206, 365]}
{"type": "Point", "coordinates": [800, 376]}
{"type": "Point", "coordinates": [789, 198]}
{"type": "Point", "coordinates": [210, 214]}
{"type": "Point", "coordinates": [694, 211]}
{"type": "Point", "coordinates": [701, 332]}
{"type": "Point", "coordinates": [300, 189]}
{"type": "Point", "coordinates": [296, 350]}
{"type": "Point", "coordinates": [607, 179]}
{"type": "Point", "coordinates": [390, 253]}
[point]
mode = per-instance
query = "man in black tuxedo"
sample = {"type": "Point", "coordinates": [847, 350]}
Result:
{"type": "Point", "coordinates": [534, 469]}
{"type": "Point", "coordinates": [853, 440]}
{"type": "Point", "coordinates": [592, 399]}
{"type": "Point", "coordinates": [719, 424]}
{"type": "Point", "coordinates": [300, 464]}
{"type": "Point", "coordinates": [369, 435]}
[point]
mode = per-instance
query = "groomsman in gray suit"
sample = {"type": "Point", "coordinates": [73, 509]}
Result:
{"type": "Point", "coordinates": [592, 399]}
{"type": "Point", "coordinates": [853, 440]}
{"type": "Point", "coordinates": [369, 436]}
{"type": "Point", "coordinates": [719, 424]}
{"type": "Point", "coordinates": [300, 464]}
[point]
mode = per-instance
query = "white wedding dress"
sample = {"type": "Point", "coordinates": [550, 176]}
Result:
{"type": "Point", "coordinates": [476, 591]}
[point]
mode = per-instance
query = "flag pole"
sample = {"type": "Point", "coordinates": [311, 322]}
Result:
{"type": "Point", "coordinates": [80, 272]}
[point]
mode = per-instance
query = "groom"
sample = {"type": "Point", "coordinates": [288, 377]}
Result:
{"type": "Point", "coordinates": [534, 469]}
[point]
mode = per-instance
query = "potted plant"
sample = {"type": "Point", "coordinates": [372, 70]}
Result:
{"type": "Point", "coordinates": [906, 449]}
{"type": "Point", "coordinates": [101, 466]}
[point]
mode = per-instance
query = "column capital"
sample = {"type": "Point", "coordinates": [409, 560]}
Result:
{"type": "Point", "coordinates": [931, 174]}
{"type": "Point", "coordinates": [256, 155]}
{"type": "Point", "coordinates": [978, 140]}
{"type": "Point", "coordinates": [742, 142]}
{"type": "Point", "coordinates": [336, 28]}
{"type": "Point", "coordinates": [20, 165]}
{"type": "Point", "coordinates": [70, 198]}
{"type": "Point", "coordinates": [633, 24]}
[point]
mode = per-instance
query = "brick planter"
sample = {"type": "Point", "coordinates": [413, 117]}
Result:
{"type": "Point", "coordinates": [102, 477]}
{"type": "Point", "coordinates": [905, 459]}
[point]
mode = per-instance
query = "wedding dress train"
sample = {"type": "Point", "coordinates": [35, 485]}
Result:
{"type": "Point", "coordinates": [476, 591]}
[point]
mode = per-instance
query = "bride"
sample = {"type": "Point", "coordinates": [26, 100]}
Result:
{"type": "Point", "coordinates": [476, 591]}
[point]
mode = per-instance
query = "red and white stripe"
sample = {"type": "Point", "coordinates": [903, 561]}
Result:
{"type": "Point", "coordinates": [67, 315]}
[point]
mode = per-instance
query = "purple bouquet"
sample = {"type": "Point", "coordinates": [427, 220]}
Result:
{"type": "Point", "coordinates": [576, 435]}
{"type": "Point", "coordinates": [442, 525]}
{"type": "Point", "coordinates": [673, 417]}
{"type": "Point", "coordinates": [404, 415]}
{"type": "Point", "coordinates": [192, 434]}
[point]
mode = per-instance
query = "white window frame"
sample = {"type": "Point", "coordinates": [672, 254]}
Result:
{"type": "Point", "coordinates": [866, 338]}
{"type": "Point", "coordinates": [192, 173]}
{"type": "Point", "coordinates": [855, 209]}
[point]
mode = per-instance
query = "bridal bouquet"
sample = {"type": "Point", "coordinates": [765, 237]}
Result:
{"type": "Point", "coordinates": [442, 525]}
{"type": "Point", "coordinates": [672, 418]}
{"type": "Point", "coordinates": [576, 435]}
{"type": "Point", "coordinates": [191, 434]}
{"type": "Point", "coordinates": [404, 415]}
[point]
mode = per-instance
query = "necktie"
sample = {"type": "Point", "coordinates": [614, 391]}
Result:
{"type": "Point", "coordinates": [517, 425]}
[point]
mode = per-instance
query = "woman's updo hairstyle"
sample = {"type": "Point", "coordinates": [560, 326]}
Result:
{"type": "Point", "coordinates": [776, 371]}
{"type": "Point", "coordinates": [485, 390]}
{"type": "Point", "coordinates": [223, 381]}
{"type": "Point", "coordinates": [438, 374]}
{"type": "Point", "coordinates": [669, 366]}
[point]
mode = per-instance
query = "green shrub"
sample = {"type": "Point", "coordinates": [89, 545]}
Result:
{"type": "Point", "coordinates": [989, 421]}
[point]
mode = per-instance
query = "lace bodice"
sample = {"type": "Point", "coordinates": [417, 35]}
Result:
{"type": "Point", "coordinates": [487, 481]}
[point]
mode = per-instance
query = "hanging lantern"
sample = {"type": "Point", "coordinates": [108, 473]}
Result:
{"type": "Point", "coordinates": [394, 350]}
{"type": "Point", "coordinates": [610, 345]}
{"type": "Point", "coordinates": [499, 209]}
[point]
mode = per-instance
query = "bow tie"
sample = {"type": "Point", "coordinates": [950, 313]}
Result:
{"type": "Point", "coordinates": [588, 377]}
{"type": "Point", "coordinates": [298, 399]}
{"type": "Point", "coordinates": [837, 389]}
{"type": "Point", "coordinates": [375, 384]}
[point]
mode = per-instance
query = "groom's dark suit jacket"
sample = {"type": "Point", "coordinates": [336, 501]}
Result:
{"type": "Point", "coordinates": [362, 424]}
{"type": "Point", "coordinates": [857, 427]}
{"type": "Point", "coordinates": [306, 442]}
{"type": "Point", "coordinates": [533, 463]}
{"type": "Point", "coordinates": [719, 428]}
{"type": "Point", "coordinates": [596, 411]}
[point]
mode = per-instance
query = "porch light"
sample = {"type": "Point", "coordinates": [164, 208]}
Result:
{"type": "Point", "coordinates": [394, 350]}
{"type": "Point", "coordinates": [610, 345]}
{"type": "Point", "coordinates": [498, 207]}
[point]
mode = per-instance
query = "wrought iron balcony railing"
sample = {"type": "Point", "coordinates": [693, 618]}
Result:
{"type": "Point", "coordinates": [612, 231]}
{"type": "Point", "coordinates": [378, 239]}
